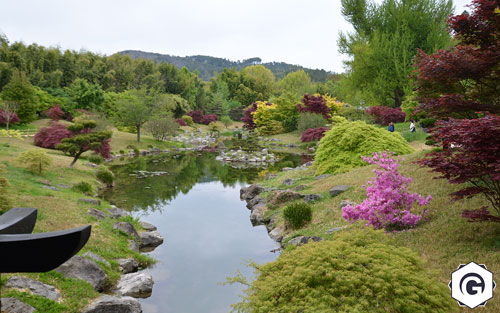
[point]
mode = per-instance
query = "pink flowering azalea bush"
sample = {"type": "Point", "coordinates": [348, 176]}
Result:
{"type": "Point", "coordinates": [389, 203]}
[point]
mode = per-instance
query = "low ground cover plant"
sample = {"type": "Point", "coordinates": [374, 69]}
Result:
{"type": "Point", "coordinates": [297, 214]}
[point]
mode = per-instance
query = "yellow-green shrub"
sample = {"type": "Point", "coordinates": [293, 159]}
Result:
{"type": "Point", "coordinates": [188, 119]}
{"type": "Point", "coordinates": [342, 147]}
{"type": "Point", "coordinates": [358, 271]}
{"type": "Point", "coordinates": [35, 160]}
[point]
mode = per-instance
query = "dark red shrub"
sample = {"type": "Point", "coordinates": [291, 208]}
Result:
{"type": "Point", "coordinates": [55, 113]}
{"type": "Point", "coordinates": [50, 136]}
{"type": "Point", "coordinates": [470, 156]}
{"type": "Point", "coordinates": [312, 134]}
{"type": "Point", "coordinates": [313, 104]}
{"type": "Point", "coordinates": [247, 118]}
{"type": "Point", "coordinates": [209, 118]}
{"type": "Point", "coordinates": [197, 116]}
{"type": "Point", "coordinates": [10, 117]}
{"type": "Point", "coordinates": [181, 122]}
{"type": "Point", "coordinates": [104, 150]}
{"type": "Point", "coordinates": [384, 115]}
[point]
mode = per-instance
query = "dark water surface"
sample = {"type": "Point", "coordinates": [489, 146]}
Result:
{"type": "Point", "coordinates": [207, 230]}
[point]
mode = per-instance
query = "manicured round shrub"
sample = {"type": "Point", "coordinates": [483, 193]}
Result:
{"type": "Point", "coordinates": [83, 187]}
{"type": "Point", "coordinates": [297, 214]}
{"type": "Point", "coordinates": [105, 176]}
{"type": "Point", "coordinates": [48, 137]}
{"type": "Point", "coordinates": [358, 271]}
{"type": "Point", "coordinates": [342, 147]}
{"type": "Point", "coordinates": [181, 122]}
{"type": "Point", "coordinates": [188, 120]}
{"type": "Point", "coordinates": [96, 159]}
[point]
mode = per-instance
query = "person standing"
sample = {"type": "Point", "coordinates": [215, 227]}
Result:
{"type": "Point", "coordinates": [412, 126]}
{"type": "Point", "coordinates": [391, 127]}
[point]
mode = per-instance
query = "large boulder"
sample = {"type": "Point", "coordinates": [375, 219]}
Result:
{"type": "Point", "coordinates": [257, 214]}
{"type": "Point", "coordinates": [137, 285]}
{"type": "Point", "coordinates": [127, 265]}
{"type": "Point", "coordinates": [254, 202]}
{"type": "Point", "coordinates": [110, 304]}
{"type": "Point", "coordinates": [13, 305]}
{"type": "Point", "coordinates": [150, 240]}
{"type": "Point", "coordinates": [82, 268]}
{"type": "Point", "coordinates": [276, 234]}
{"type": "Point", "coordinates": [279, 197]}
{"type": "Point", "coordinates": [117, 212]}
{"type": "Point", "coordinates": [148, 226]}
{"type": "Point", "coordinates": [248, 193]}
{"type": "Point", "coordinates": [126, 227]}
{"type": "Point", "coordinates": [96, 257]}
{"type": "Point", "coordinates": [34, 286]}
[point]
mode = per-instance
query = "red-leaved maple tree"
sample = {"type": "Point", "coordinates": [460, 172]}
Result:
{"type": "Point", "coordinates": [313, 104]}
{"type": "Point", "coordinates": [461, 86]}
{"type": "Point", "coordinates": [55, 113]}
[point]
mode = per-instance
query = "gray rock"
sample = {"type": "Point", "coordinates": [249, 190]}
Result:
{"type": "Point", "coordinates": [50, 188]}
{"type": "Point", "coordinates": [127, 228]}
{"type": "Point", "coordinates": [13, 305]}
{"type": "Point", "coordinates": [255, 201]}
{"type": "Point", "coordinates": [335, 229]}
{"type": "Point", "coordinates": [90, 201]}
{"type": "Point", "coordinates": [133, 245]}
{"type": "Point", "coordinates": [279, 197]}
{"type": "Point", "coordinates": [64, 186]}
{"type": "Point", "coordinates": [128, 265]}
{"type": "Point", "coordinates": [150, 240]}
{"type": "Point", "coordinates": [276, 234]}
{"type": "Point", "coordinates": [287, 169]}
{"type": "Point", "coordinates": [147, 226]}
{"type": "Point", "coordinates": [84, 269]}
{"type": "Point", "coordinates": [248, 193]}
{"type": "Point", "coordinates": [117, 212]}
{"type": "Point", "coordinates": [257, 214]}
{"type": "Point", "coordinates": [312, 198]}
{"type": "Point", "coordinates": [100, 215]}
{"type": "Point", "coordinates": [93, 165]}
{"type": "Point", "coordinates": [137, 285]}
{"type": "Point", "coordinates": [110, 304]}
{"type": "Point", "coordinates": [270, 176]}
{"type": "Point", "coordinates": [299, 187]}
{"type": "Point", "coordinates": [335, 191]}
{"type": "Point", "coordinates": [270, 189]}
{"type": "Point", "coordinates": [307, 164]}
{"type": "Point", "coordinates": [35, 287]}
{"type": "Point", "coordinates": [322, 176]}
{"type": "Point", "coordinates": [302, 240]}
{"type": "Point", "coordinates": [288, 182]}
{"type": "Point", "coordinates": [344, 203]}
{"type": "Point", "coordinates": [96, 257]}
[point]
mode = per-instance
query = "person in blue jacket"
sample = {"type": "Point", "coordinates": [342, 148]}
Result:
{"type": "Point", "coordinates": [391, 127]}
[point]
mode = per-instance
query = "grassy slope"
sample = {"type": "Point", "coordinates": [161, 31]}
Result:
{"type": "Point", "coordinates": [444, 241]}
{"type": "Point", "coordinates": [59, 210]}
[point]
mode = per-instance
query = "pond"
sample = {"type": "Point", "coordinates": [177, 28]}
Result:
{"type": "Point", "coordinates": [194, 201]}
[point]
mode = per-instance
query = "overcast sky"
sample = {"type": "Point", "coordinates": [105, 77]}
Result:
{"type": "Point", "coordinates": [300, 32]}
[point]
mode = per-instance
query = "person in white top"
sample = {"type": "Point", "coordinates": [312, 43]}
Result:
{"type": "Point", "coordinates": [412, 126]}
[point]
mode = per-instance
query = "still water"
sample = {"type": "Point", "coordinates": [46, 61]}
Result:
{"type": "Point", "coordinates": [207, 230]}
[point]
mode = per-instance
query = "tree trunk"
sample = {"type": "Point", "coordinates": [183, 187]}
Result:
{"type": "Point", "coordinates": [75, 159]}
{"type": "Point", "coordinates": [138, 133]}
{"type": "Point", "coordinates": [398, 97]}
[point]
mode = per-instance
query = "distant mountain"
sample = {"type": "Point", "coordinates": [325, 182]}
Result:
{"type": "Point", "coordinates": [207, 65]}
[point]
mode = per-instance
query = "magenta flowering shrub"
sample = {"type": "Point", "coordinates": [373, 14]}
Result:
{"type": "Point", "coordinates": [389, 203]}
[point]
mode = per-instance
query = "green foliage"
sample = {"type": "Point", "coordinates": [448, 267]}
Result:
{"type": "Point", "coordinates": [297, 83]}
{"type": "Point", "coordinates": [287, 111]}
{"type": "Point", "coordinates": [20, 91]}
{"type": "Point", "coordinates": [5, 201]}
{"type": "Point", "coordinates": [263, 80]}
{"type": "Point", "coordinates": [105, 176]}
{"type": "Point", "coordinates": [83, 187]}
{"type": "Point", "coordinates": [226, 120]}
{"type": "Point", "coordinates": [310, 120]}
{"type": "Point", "coordinates": [96, 159]}
{"type": "Point", "coordinates": [188, 119]}
{"type": "Point", "coordinates": [84, 95]}
{"type": "Point", "coordinates": [297, 214]}
{"type": "Point", "coordinates": [35, 160]}
{"type": "Point", "coordinates": [358, 271]}
{"type": "Point", "coordinates": [41, 304]}
{"type": "Point", "coordinates": [342, 147]}
{"type": "Point", "coordinates": [161, 128]}
{"type": "Point", "coordinates": [354, 114]}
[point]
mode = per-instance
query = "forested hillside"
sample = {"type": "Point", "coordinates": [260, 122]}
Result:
{"type": "Point", "coordinates": [207, 66]}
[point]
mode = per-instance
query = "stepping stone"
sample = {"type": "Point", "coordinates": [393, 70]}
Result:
{"type": "Point", "coordinates": [117, 212]}
{"type": "Point", "coordinates": [335, 229]}
{"type": "Point", "coordinates": [34, 286]}
{"type": "Point", "coordinates": [13, 305]}
{"type": "Point", "coordinates": [312, 198]}
{"type": "Point", "coordinates": [110, 304]}
{"type": "Point", "coordinates": [322, 176]}
{"type": "Point", "coordinates": [50, 188]}
{"type": "Point", "coordinates": [337, 190]}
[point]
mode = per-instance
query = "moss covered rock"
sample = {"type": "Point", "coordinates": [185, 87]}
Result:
{"type": "Point", "coordinates": [342, 147]}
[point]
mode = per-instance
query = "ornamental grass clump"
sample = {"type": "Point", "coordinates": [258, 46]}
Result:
{"type": "Point", "coordinates": [389, 204]}
{"type": "Point", "coordinates": [342, 147]}
{"type": "Point", "coordinates": [297, 214]}
{"type": "Point", "coordinates": [357, 271]}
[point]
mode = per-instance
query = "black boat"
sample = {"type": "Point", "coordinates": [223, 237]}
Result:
{"type": "Point", "coordinates": [40, 252]}
{"type": "Point", "coordinates": [18, 221]}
